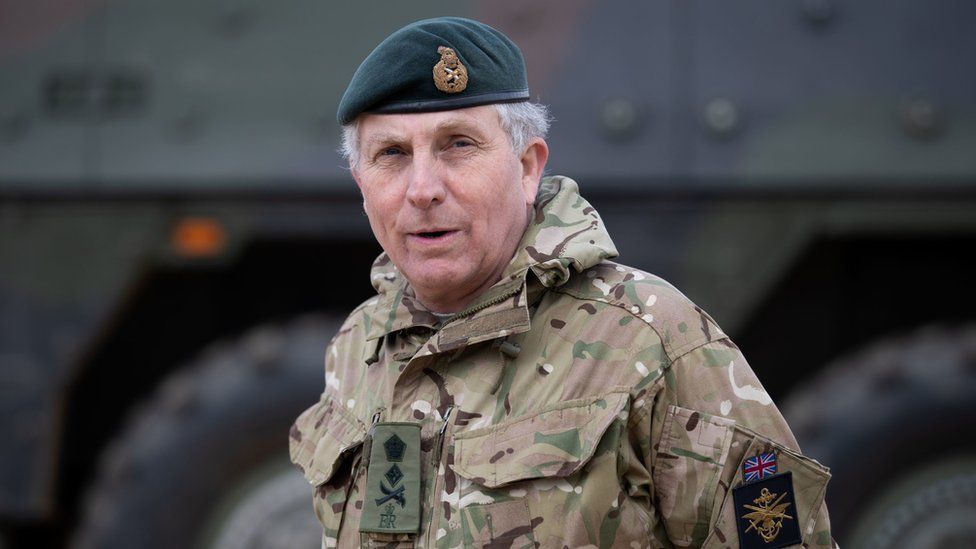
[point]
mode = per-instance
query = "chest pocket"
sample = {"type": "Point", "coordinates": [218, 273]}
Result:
{"type": "Point", "coordinates": [522, 475]}
{"type": "Point", "coordinates": [691, 458]}
{"type": "Point", "coordinates": [325, 443]}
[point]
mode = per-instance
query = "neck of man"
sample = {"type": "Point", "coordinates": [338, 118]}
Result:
{"type": "Point", "coordinates": [441, 302]}
{"type": "Point", "coordinates": [448, 303]}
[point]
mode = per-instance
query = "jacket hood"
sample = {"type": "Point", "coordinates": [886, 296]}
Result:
{"type": "Point", "coordinates": [566, 231]}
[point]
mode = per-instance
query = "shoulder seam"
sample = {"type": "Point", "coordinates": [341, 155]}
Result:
{"type": "Point", "coordinates": [620, 306]}
{"type": "Point", "coordinates": [698, 343]}
{"type": "Point", "coordinates": [672, 354]}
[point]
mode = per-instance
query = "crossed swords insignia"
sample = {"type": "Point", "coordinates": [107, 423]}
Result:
{"type": "Point", "coordinates": [389, 493]}
{"type": "Point", "coordinates": [768, 517]}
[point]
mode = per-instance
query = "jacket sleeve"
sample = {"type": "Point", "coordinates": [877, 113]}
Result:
{"type": "Point", "coordinates": [709, 415]}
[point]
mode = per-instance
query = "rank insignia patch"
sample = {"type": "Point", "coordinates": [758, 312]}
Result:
{"type": "Point", "coordinates": [392, 501]}
{"type": "Point", "coordinates": [759, 467]}
{"type": "Point", "coordinates": [765, 512]}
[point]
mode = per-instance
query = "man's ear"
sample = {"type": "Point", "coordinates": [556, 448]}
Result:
{"type": "Point", "coordinates": [355, 176]}
{"type": "Point", "coordinates": [533, 162]}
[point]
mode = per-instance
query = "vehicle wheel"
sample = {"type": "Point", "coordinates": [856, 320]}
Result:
{"type": "Point", "coordinates": [894, 423]}
{"type": "Point", "coordinates": [205, 462]}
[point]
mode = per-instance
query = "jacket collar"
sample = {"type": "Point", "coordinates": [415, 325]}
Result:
{"type": "Point", "coordinates": [565, 232]}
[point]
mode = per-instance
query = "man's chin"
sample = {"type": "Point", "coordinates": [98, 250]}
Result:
{"type": "Point", "coordinates": [432, 278]}
{"type": "Point", "coordinates": [437, 285]}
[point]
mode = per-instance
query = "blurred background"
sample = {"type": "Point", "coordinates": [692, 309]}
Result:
{"type": "Point", "coordinates": [178, 238]}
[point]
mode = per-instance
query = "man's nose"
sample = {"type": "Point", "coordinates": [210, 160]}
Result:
{"type": "Point", "coordinates": [426, 186]}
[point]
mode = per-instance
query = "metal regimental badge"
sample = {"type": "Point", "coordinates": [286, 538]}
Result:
{"type": "Point", "coordinates": [766, 513]}
{"type": "Point", "coordinates": [450, 76]}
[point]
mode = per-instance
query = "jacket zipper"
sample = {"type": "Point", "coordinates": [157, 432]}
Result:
{"type": "Point", "coordinates": [438, 453]}
{"type": "Point", "coordinates": [470, 311]}
{"type": "Point", "coordinates": [439, 447]}
{"type": "Point", "coordinates": [368, 444]}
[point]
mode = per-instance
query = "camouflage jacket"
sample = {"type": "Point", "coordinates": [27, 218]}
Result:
{"type": "Point", "coordinates": [577, 402]}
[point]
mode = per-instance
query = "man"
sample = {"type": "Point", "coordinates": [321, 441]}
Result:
{"type": "Point", "coordinates": [509, 386]}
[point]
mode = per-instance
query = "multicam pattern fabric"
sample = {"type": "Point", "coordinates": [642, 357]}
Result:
{"type": "Point", "coordinates": [588, 404]}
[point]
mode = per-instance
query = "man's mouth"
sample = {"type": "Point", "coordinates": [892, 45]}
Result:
{"type": "Point", "coordinates": [432, 235]}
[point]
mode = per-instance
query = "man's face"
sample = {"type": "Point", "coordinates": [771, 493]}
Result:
{"type": "Point", "coordinates": [446, 197]}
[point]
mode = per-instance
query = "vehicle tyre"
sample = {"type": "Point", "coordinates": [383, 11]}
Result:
{"type": "Point", "coordinates": [894, 423]}
{"type": "Point", "coordinates": [205, 462]}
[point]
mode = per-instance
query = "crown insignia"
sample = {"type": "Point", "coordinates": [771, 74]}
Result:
{"type": "Point", "coordinates": [394, 447]}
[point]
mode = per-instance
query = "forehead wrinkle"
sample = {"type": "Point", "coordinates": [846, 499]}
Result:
{"type": "Point", "coordinates": [455, 125]}
{"type": "Point", "coordinates": [383, 136]}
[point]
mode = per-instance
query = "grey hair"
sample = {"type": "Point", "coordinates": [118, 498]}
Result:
{"type": "Point", "coordinates": [523, 122]}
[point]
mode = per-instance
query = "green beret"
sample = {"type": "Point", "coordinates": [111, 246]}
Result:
{"type": "Point", "coordinates": [435, 65]}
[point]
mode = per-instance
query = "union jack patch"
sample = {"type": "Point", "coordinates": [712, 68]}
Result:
{"type": "Point", "coordinates": [759, 467]}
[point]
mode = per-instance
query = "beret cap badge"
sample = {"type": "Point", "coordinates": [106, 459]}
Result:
{"type": "Point", "coordinates": [470, 63]}
{"type": "Point", "coordinates": [450, 76]}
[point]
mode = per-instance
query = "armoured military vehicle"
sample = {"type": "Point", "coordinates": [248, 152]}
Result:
{"type": "Point", "coordinates": [178, 238]}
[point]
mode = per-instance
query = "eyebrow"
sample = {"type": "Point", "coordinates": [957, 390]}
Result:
{"type": "Point", "coordinates": [385, 138]}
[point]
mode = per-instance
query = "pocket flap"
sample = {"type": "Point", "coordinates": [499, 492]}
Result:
{"type": "Point", "coordinates": [321, 436]}
{"type": "Point", "coordinates": [810, 480]}
{"type": "Point", "coordinates": [555, 442]}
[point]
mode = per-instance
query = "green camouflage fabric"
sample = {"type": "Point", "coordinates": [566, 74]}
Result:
{"type": "Point", "coordinates": [577, 403]}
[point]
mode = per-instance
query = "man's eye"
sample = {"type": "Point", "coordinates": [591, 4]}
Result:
{"type": "Point", "coordinates": [390, 151]}
{"type": "Point", "coordinates": [458, 143]}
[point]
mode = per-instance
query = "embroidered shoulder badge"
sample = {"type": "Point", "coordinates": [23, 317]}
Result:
{"type": "Point", "coordinates": [450, 76]}
{"type": "Point", "coordinates": [765, 512]}
{"type": "Point", "coordinates": [759, 467]}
